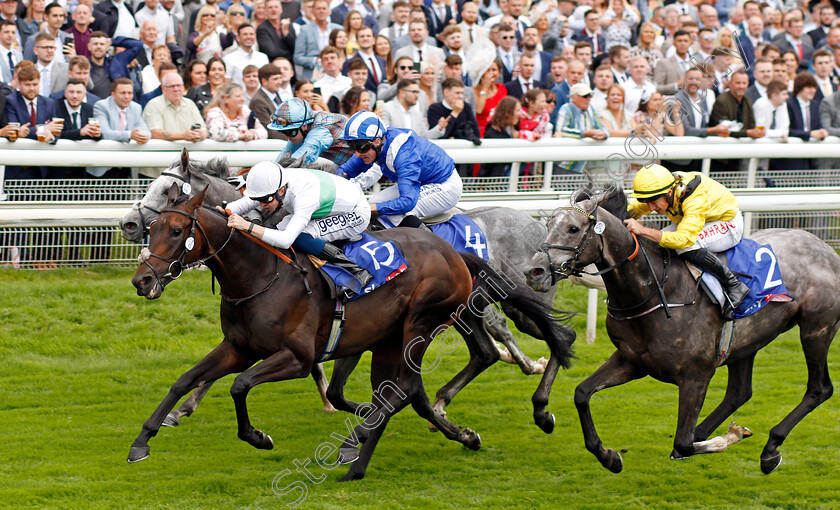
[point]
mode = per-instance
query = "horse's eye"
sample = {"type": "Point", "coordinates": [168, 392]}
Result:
{"type": "Point", "coordinates": [176, 232]}
{"type": "Point", "coordinates": [574, 229]}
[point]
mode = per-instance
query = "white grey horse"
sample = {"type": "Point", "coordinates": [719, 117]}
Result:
{"type": "Point", "coordinates": [513, 238]}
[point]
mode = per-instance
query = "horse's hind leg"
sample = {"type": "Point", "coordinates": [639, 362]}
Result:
{"type": "Point", "coordinates": [189, 406]}
{"type": "Point", "coordinates": [342, 368]}
{"type": "Point", "coordinates": [497, 327]}
{"type": "Point", "coordinates": [616, 371]}
{"type": "Point", "coordinates": [815, 344]}
{"type": "Point", "coordinates": [222, 360]}
{"type": "Point", "coordinates": [321, 382]}
{"type": "Point", "coordinates": [738, 392]}
{"type": "Point", "coordinates": [453, 432]}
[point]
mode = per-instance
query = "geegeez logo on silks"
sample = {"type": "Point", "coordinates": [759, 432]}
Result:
{"type": "Point", "coordinates": [343, 221]}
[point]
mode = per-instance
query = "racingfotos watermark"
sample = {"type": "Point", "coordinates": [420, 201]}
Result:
{"type": "Point", "coordinates": [639, 148]}
{"type": "Point", "coordinates": [325, 456]}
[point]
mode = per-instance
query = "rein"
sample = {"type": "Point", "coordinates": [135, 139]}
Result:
{"type": "Point", "coordinates": [280, 255]}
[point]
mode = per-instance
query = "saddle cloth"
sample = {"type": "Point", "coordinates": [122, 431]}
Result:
{"type": "Point", "coordinates": [755, 265]}
{"type": "Point", "coordinates": [383, 259]}
{"type": "Point", "coordinates": [463, 234]}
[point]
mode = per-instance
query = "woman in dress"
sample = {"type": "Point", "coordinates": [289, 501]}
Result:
{"type": "Point", "coordinates": [201, 95]}
{"type": "Point", "coordinates": [647, 48]}
{"type": "Point", "coordinates": [338, 38]}
{"type": "Point", "coordinates": [209, 37]}
{"type": "Point", "coordinates": [488, 94]}
{"type": "Point", "coordinates": [229, 120]}
{"type": "Point", "coordinates": [352, 23]}
{"type": "Point", "coordinates": [623, 19]}
{"type": "Point", "coordinates": [618, 121]}
{"type": "Point", "coordinates": [382, 48]}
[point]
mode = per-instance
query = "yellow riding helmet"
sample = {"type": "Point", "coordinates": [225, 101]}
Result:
{"type": "Point", "coordinates": [651, 181]}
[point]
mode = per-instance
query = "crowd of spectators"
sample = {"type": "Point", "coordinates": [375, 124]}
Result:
{"type": "Point", "coordinates": [134, 70]}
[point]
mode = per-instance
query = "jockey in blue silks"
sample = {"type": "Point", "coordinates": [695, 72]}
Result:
{"type": "Point", "coordinates": [427, 183]}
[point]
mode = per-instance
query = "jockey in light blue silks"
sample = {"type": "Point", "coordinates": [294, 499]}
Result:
{"type": "Point", "coordinates": [427, 183]}
{"type": "Point", "coordinates": [310, 133]}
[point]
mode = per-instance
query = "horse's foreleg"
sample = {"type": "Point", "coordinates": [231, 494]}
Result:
{"type": "Point", "coordinates": [321, 382]}
{"type": "Point", "coordinates": [692, 394]}
{"type": "Point", "coordinates": [497, 327]}
{"type": "Point", "coordinates": [277, 367]}
{"type": "Point", "coordinates": [738, 392]}
{"type": "Point", "coordinates": [616, 371]}
{"type": "Point", "coordinates": [189, 406]}
{"type": "Point", "coordinates": [483, 354]}
{"type": "Point", "coordinates": [342, 368]}
{"type": "Point", "coordinates": [222, 360]}
{"type": "Point", "coordinates": [815, 344]}
{"type": "Point", "coordinates": [544, 419]}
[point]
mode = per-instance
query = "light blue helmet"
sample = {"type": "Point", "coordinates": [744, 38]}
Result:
{"type": "Point", "coordinates": [363, 126]}
{"type": "Point", "coordinates": [291, 114]}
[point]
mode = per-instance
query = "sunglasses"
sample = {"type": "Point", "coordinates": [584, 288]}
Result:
{"type": "Point", "coordinates": [405, 68]}
{"type": "Point", "coordinates": [508, 37]}
{"type": "Point", "coordinates": [360, 145]}
{"type": "Point", "coordinates": [290, 133]}
{"type": "Point", "coordinates": [266, 199]}
{"type": "Point", "coordinates": [237, 14]}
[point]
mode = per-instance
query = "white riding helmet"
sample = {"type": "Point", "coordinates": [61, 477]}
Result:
{"type": "Point", "coordinates": [264, 179]}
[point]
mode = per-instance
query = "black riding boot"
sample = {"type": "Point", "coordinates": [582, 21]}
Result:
{"type": "Point", "coordinates": [334, 255]}
{"type": "Point", "coordinates": [413, 222]}
{"type": "Point", "coordinates": [735, 289]}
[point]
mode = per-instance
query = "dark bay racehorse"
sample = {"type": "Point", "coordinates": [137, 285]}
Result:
{"type": "Point", "coordinates": [682, 350]}
{"type": "Point", "coordinates": [512, 237]}
{"type": "Point", "coordinates": [279, 317]}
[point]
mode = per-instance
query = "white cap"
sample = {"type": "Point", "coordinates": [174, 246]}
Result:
{"type": "Point", "coordinates": [580, 89]}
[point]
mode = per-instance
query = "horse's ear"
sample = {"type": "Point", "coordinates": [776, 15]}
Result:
{"type": "Point", "coordinates": [196, 201]}
{"type": "Point", "coordinates": [185, 160]}
{"type": "Point", "coordinates": [298, 163]}
{"type": "Point", "coordinates": [173, 193]}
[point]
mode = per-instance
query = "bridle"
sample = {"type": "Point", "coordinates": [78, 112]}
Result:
{"type": "Point", "coordinates": [572, 266]}
{"type": "Point", "coordinates": [138, 206]}
{"type": "Point", "coordinates": [177, 265]}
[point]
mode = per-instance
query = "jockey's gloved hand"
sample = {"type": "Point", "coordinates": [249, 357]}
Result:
{"type": "Point", "coordinates": [237, 181]}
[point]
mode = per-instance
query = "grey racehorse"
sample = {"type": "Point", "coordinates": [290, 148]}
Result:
{"type": "Point", "coordinates": [512, 236]}
{"type": "Point", "coordinates": [683, 349]}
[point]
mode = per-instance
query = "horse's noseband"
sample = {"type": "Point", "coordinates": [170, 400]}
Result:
{"type": "Point", "coordinates": [570, 267]}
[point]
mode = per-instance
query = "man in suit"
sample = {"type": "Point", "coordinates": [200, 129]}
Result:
{"type": "Point", "coordinates": [275, 36]}
{"type": "Point", "coordinates": [8, 11]}
{"type": "Point", "coordinates": [823, 63]}
{"type": "Point", "coordinates": [10, 55]}
{"type": "Point", "coordinates": [574, 75]}
{"type": "Point", "coordinates": [30, 109]}
{"type": "Point", "coordinates": [763, 74]}
{"type": "Point", "coordinates": [733, 105]}
{"type": "Point", "coordinates": [591, 33]}
{"type": "Point", "coordinates": [805, 120]}
{"type": "Point", "coordinates": [309, 41]}
{"type": "Point", "coordinates": [339, 13]}
{"type": "Point", "coordinates": [619, 62]}
{"type": "Point", "coordinates": [515, 9]}
{"type": "Point", "coordinates": [542, 59]}
{"type": "Point", "coordinates": [115, 18]}
{"type": "Point", "coordinates": [507, 52]}
{"type": "Point", "coordinates": [470, 30]}
{"type": "Point", "coordinates": [55, 16]}
{"type": "Point", "coordinates": [750, 39]}
{"type": "Point", "coordinates": [267, 100]}
{"type": "Point", "coordinates": [830, 120]}
{"type": "Point", "coordinates": [77, 126]}
{"type": "Point", "coordinates": [525, 81]}
{"type": "Point", "coordinates": [419, 50]}
{"type": "Point", "coordinates": [376, 65]}
{"type": "Point", "coordinates": [406, 40]}
{"type": "Point", "coordinates": [105, 68]}
{"type": "Point", "coordinates": [402, 111]}
{"type": "Point", "coordinates": [401, 10]}
{"type": "Point", "coordinates": [79, 68]}
{"type": "Point", "coordinates": [455, 117]}
{"type": "Point", "coordinates": [684, 7]}
{"type": "Point", "coordinates": [53, 72]}
{"type": "Point", "coordinates": [439, 16]}
{"type": "Point", "coordinates": [824, 21]}
{"type": "Point", "coordinates": [121, 119]}
{"type": "Point", "coordinates": [669, 71]}
{"type": "Point", "coordinates": [793, 39]}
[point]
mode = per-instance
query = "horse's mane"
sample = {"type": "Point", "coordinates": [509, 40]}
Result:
{"type": "Point", "coordinates": [612, 199]}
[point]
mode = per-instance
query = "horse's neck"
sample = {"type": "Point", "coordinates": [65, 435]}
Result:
{"type": "Point", "coordinates": [219, 190]}
{"type": "Point", "coordinates": [631, 281]}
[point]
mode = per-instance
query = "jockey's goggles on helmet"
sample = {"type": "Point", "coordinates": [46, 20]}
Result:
{"type": "Point", "coordinates": [266, 199]}
{"type": "Point", "coordinates": [648, 200]}
{"type": "Point", "coordinates": [360, 145]}
{"type": "Point", "coordinates": [289, 133]}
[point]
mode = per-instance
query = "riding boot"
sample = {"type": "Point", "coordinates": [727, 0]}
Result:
{"type": "Point", "coordinates": [735, 289]}
{"type": "Point", "coordinates": [414, 222]}
{"type": "Point", "coordinates": [334, 255]}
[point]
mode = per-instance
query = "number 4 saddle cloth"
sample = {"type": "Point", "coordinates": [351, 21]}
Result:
{"type": "Point", "coordinates": [755, 265]}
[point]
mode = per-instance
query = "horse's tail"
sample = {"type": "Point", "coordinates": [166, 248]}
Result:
{"type": "Point", "coordinates": [499, 288]}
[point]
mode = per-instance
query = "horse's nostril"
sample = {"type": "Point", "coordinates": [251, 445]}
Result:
{"type": "Point", "coordinates": [537, 271]}
{"type": "Point", "coordinates": [130, 225]}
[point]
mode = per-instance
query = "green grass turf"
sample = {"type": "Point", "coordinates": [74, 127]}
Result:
{"type": "Point", "coordinates": [85, 361]}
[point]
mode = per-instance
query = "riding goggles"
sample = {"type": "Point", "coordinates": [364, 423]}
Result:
{"type": "Point", "coordinates": [290, 133]}
{"type": "Point", "coordinates": [266, 199]}
{"type": "Point", "coordinates": [360, 145]}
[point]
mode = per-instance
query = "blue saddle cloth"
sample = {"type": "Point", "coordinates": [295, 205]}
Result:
{"type": "Point", "coordinates": [464, 235]}
{"type": "Point", "coordinates": [755, 265]}
{"type": "Point", "coordinates": [381, 258]}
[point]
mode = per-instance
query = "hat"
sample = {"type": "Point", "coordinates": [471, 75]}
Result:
{"type": "Point", "coordinates": [480, 57]}
{"type": "Point", "coordinates": [580, 89]}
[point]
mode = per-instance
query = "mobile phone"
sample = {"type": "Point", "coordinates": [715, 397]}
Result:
{"type": "Point", "coordinates": [196, 126]}
{"type": "Point", "coordinates": [317, 90]}
{"type": "Point", "coordinates": [416, 67]}
{"type": "Point", "coordinates": [252, 120]}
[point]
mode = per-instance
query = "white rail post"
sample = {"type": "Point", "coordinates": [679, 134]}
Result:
{"type": "Point", "coordinates": [752, 170]}
{"type": "Point", "coordinates": [706, 167]}
{"type": "Point", "coordinates": [548, 169]}
{"type": "Point", "coordinates": [513, 183]}
{"type": "Point", "coordinates": [591, 315]}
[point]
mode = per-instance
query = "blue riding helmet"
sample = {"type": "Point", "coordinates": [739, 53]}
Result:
{"type": "Point", "coordinates": [363, 126]}
{"type": "Point", "coordinates": [291, 115]}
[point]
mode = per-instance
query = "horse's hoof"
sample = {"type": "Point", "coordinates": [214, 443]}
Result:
{"type": "Point", "coordinates": [675, 455]}
{"type": "Point", "coordinates": [347, 456]}
{"type": "Point", "coordinates": [769, 464]}
{"type": "Point", "coordinates": [470, 439]}
{"type": "Point", "coordinates": [545, 421]}
{"type": "Point", "coordinates": [351, 476]}
{"type": "Point", "coordinates": [171, 421]}
{"type": "Point", "coordinates": [138, 453]}
{"type": "Point", "coordinates": [328, 408]}
{"type": "Point", "coordinates": [613, 461]}
{"type": "Point", "coordinates": [433, 428]}
{"type": "Point", "coordinates": [262, 441]}
{"type": "Point", "coordinates": [539, 366]}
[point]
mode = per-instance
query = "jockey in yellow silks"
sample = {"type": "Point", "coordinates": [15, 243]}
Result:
{"type": "Point", "coordinates": [705, 215]}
